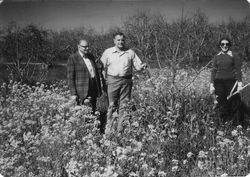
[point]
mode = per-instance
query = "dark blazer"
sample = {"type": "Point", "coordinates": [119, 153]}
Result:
{"type": "Point", "coordinates": [78, 76]}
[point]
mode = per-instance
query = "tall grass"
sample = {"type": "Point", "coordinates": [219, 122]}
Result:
{"type": "Point", "coordinates": [169, 131]}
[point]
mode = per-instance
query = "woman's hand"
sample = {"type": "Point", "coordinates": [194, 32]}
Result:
{"type": "Point", "coordinates": [212, 89]}
{"type": "Point", "coordinates": [240, 86]}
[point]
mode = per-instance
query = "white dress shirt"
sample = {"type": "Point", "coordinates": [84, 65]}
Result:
{"type": "Point", "coordinates": [89, 65]}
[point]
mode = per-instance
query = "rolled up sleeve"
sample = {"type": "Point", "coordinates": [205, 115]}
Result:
{"type": "Point", "coordinates": [137, 63]}
{"type": "Point", "coordinates": [104, 59]}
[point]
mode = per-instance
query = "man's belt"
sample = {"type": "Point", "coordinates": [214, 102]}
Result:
{"type": "Point", "coordinates": [123, 77]}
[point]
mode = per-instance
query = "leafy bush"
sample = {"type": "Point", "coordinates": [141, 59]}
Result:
{"type": "Point", "coordinates": [189, 41]}
{"type": "Point", "coordinates": [39, 128]}
{"type": "Point", "coordinates": [170, 130]}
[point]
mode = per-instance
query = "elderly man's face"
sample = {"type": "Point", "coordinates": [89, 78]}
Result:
{"type": "Point", "coordinates": [119, 41]}
{"type": "Point", "coordinates": [224, 45]}
{"type": "Point", "coordinates": [83, 47]}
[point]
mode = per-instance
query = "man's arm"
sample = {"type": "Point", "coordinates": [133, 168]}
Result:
{"type": "Point", "coordinates": [103, 79]}
{"type": "Point", "coordinates": [137, 63]}
{"type": "Point", "coordinates": [104, 60]}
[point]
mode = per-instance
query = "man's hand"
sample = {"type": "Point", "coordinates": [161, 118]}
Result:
{"type": "Point", "coordinates": [212, 89]}
{"type": "Point", "coordinates": [239, 87]}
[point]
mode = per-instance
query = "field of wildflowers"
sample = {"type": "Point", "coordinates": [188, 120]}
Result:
{"type": "Point", "coordinates": [170, 130]}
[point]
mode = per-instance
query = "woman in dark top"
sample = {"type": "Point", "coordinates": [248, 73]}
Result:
{"type": "Point", "coordinates": [226, 71]}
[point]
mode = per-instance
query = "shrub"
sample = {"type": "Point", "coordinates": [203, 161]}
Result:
{"type": "Point", "coordinates": [169, 130]}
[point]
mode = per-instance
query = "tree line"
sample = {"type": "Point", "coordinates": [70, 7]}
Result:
{"type": "Point", "coordinates": [184, 42]}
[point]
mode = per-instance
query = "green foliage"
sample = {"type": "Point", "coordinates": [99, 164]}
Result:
{"type": "Point", "coordinates": [39, 128]}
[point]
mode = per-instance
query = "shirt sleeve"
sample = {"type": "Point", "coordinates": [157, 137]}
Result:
{"type": "Point", "coordinates": [104, 59]}
{"type": "Point", "coordinates": [214, 69]}
{"type": "Point", "coordinates": [237, 67]}
{"type": "Point", "coordinates": [136, 62]}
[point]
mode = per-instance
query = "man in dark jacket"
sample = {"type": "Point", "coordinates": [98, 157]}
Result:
{"type": "Point", "coordinates": [83, 76]}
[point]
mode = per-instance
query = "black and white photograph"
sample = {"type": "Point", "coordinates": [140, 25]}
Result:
{"type": "Point", "coordinates": [124, 88]}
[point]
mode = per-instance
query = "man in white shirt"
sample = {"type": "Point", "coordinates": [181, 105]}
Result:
{"type": "Point", "coordinates": [118, 63]}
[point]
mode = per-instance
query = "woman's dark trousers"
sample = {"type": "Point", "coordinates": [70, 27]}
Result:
{"type": "Point", "coordinates": [229, 109]}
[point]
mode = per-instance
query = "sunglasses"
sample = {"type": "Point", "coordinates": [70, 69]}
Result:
{"type": "Point", "coordinates": [224, 44]}
{"type": "Point", "coordinates": [84, 46]}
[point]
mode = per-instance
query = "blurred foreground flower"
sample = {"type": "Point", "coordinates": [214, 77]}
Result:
{"type": "Point", "coordinates": [189, 154]}
{"type": "Point", "coordinates": [224, 175]}
{"type": "Point", "coordinates": [162, 174]}
{"type": "Point", "coordinates": [234, 133]}
{"type": "Point", "coordinates": [174, 168]}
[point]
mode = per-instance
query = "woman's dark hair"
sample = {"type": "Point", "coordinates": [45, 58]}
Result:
{"type": "Point", "coordinates": [225, 38]}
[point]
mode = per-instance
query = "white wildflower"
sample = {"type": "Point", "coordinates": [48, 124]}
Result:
{"type": "Point", "coordinates": [234, 133]}
{"type": "Point", "coordinates": [224, 175]}
{"type": "Point", "coordinates": [162, 174]}
{"type": "Point", "coordinates": [174, 168]}
{"type": "Point", "coordinates": [221, 133]}
{"type": "Point", "coordinates": [189, 154]}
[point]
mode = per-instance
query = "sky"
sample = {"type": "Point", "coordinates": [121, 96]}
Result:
{"type": "Point", "coordinates": [104, 14]}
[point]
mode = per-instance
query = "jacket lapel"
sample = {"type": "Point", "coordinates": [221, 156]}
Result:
{"type": "Point", "coordinates": [93, 66]}
{"type": "Point", "coordinates": [80, 61]}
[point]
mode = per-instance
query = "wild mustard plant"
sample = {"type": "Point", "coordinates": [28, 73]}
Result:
{"type": "Point", "coordinates": [169, 130]}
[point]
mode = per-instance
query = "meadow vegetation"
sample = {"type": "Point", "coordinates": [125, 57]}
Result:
{"type": "Point", "coordinates": [168, 132]}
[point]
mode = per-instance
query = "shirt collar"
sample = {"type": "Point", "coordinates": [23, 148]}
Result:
{"type": "Point", "coordinates": [229, 52]}
{"type": "Point", "coordinates": [116, 50]}
{"type": "Point", "coordinates": [82, 55]}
